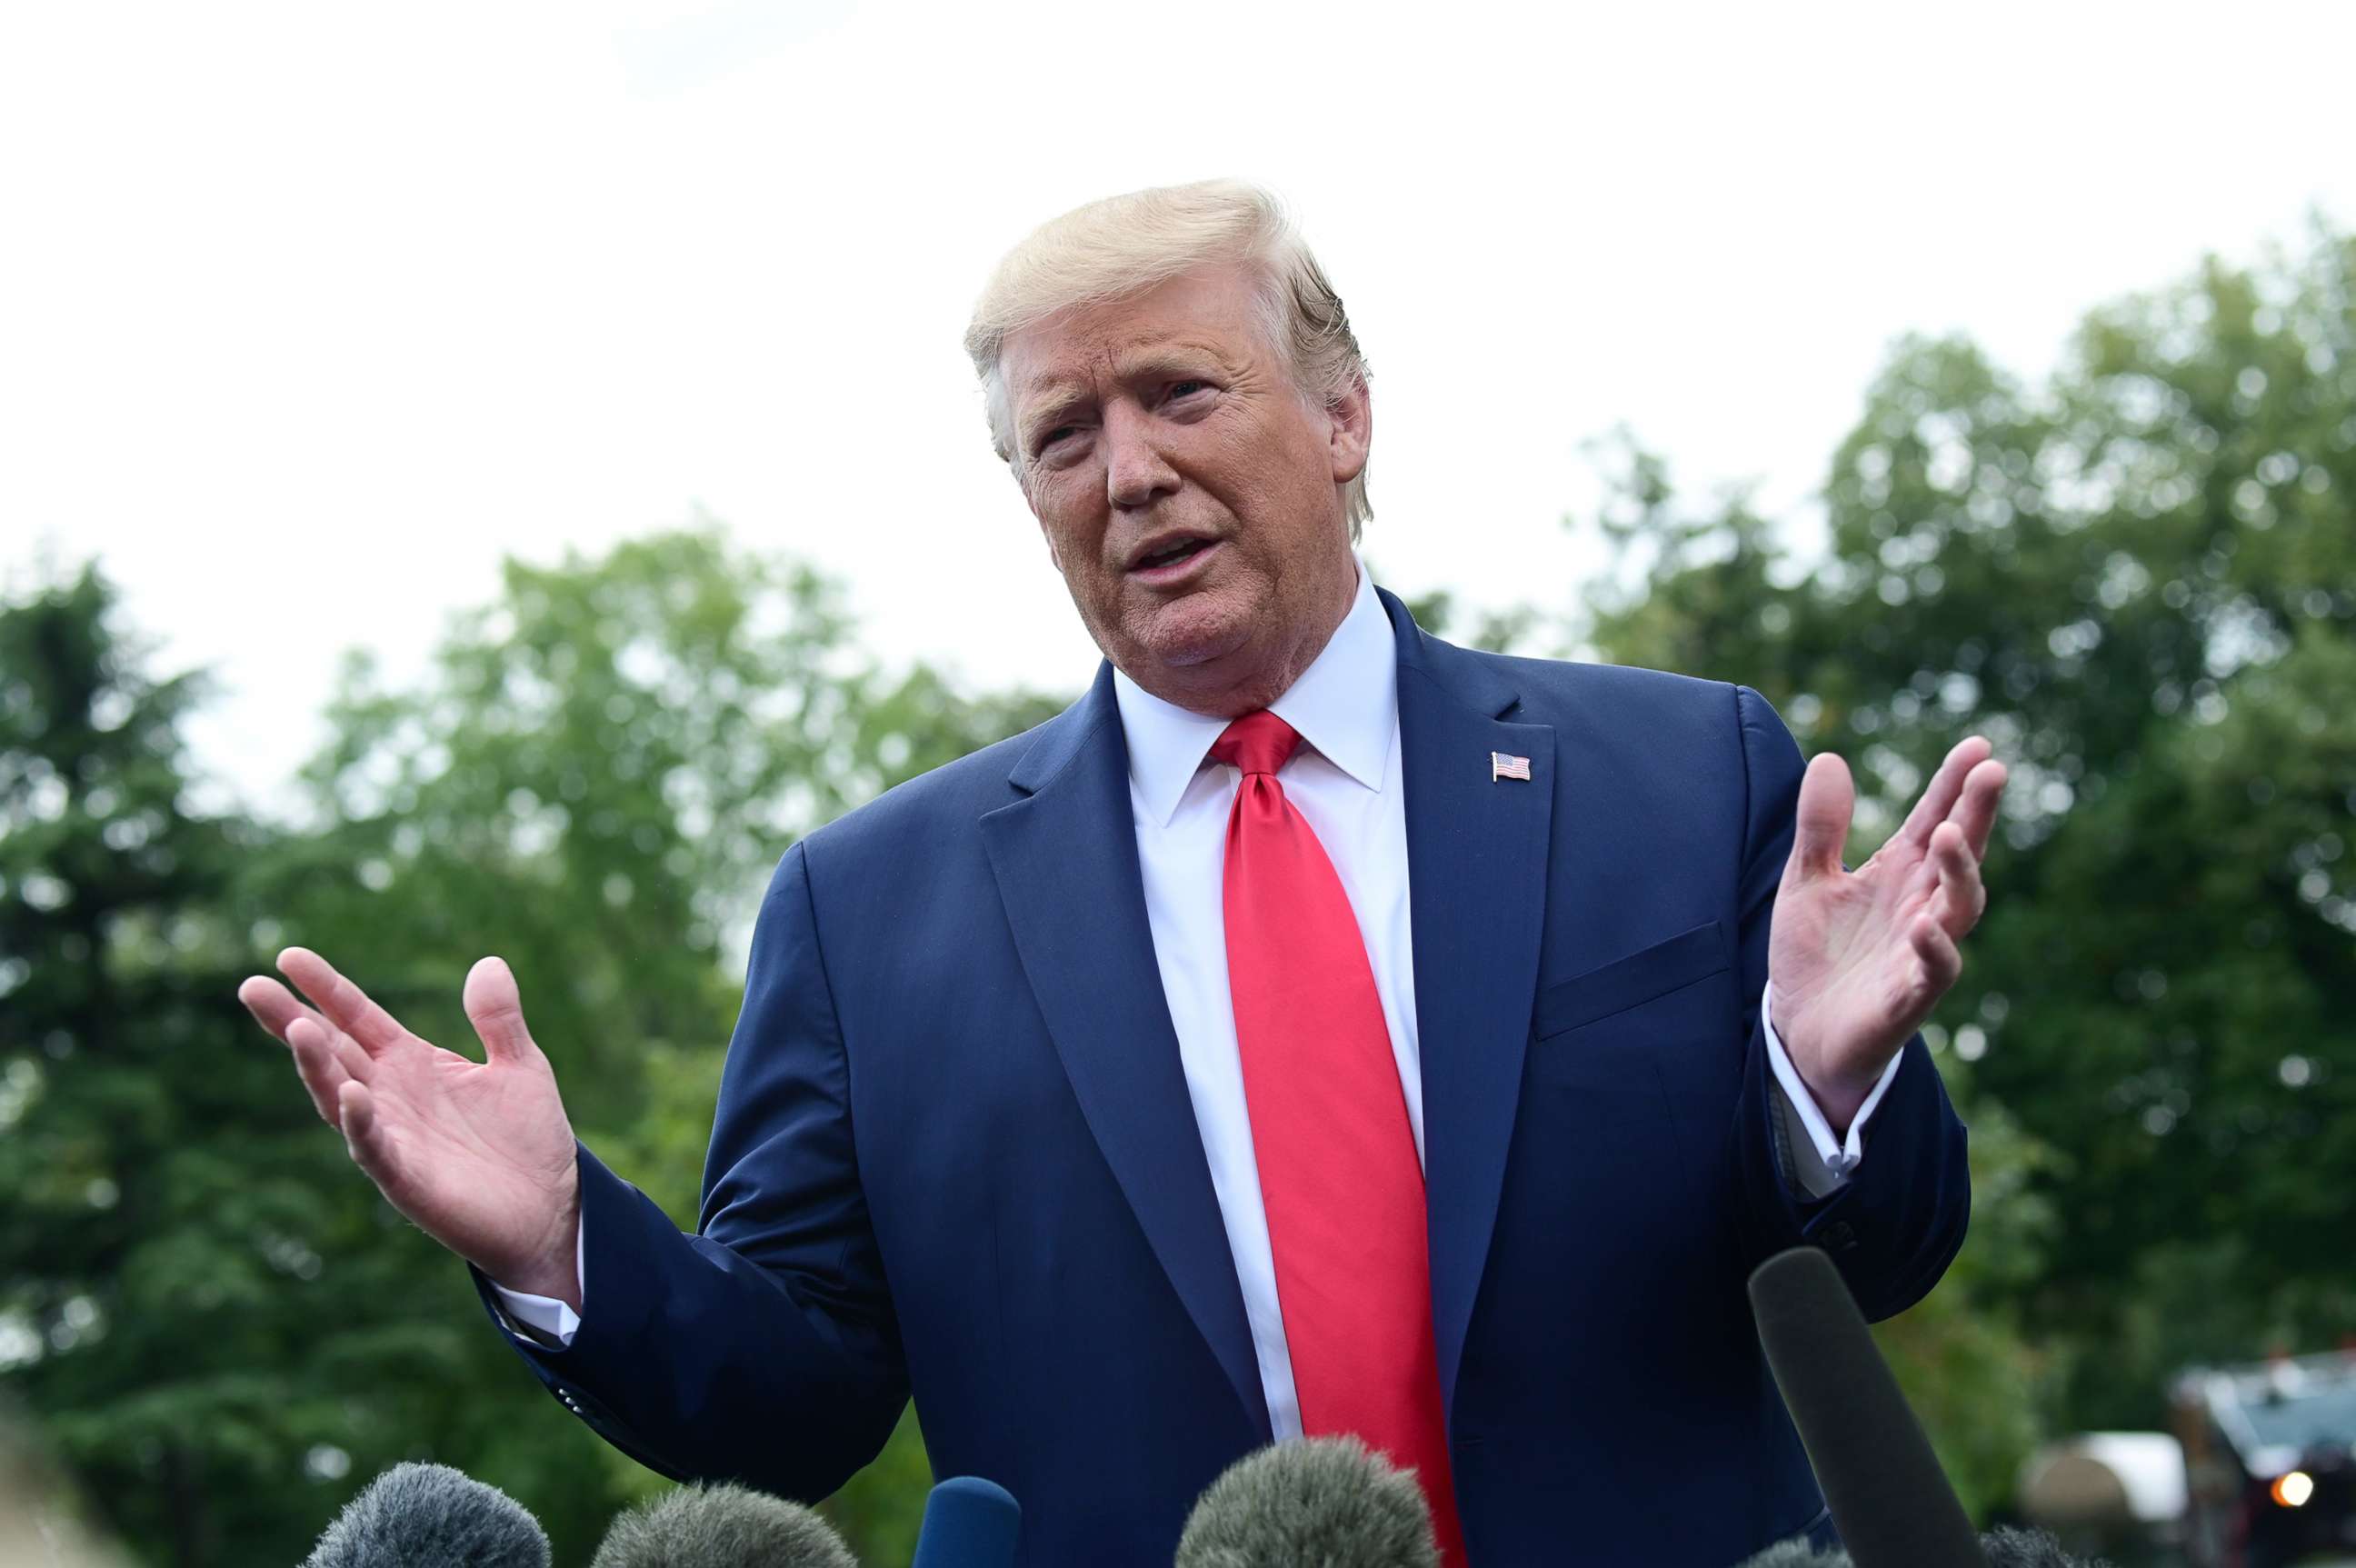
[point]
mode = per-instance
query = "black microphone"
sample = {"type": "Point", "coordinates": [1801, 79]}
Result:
{"type": "Point", "coordinates": [968, 1523]}
{"type": "Point", "coordinates": [430, 1516]}
{"type": "Point", "coordinates": [722, 1526]}
{"type": "Point", "coordinates": [1326, 1502]}
{"type": "Point", "coordinates": [1888, 1495]}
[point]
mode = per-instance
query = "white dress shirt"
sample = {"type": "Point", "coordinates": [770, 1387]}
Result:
{"type": "Point", "coordinates": [1345, 782]}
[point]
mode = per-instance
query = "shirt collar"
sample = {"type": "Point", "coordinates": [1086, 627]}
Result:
{"type": "Point", "coordinates": [1345, 704]}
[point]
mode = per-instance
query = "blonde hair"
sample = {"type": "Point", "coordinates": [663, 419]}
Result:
{"type": "Point", "coordinates": [1124, 245]}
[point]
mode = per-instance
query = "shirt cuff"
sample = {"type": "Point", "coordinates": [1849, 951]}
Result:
{"type": "Point", "coordinates": [551, 1317]}
{"type": "Point", "coordinates": [1838, 1157]}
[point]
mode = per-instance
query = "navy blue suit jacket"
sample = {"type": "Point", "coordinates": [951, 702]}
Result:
{"type": "Point", "coordinates": [954, 1150]}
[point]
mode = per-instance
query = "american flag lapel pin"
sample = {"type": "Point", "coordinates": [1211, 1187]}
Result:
{"type": "Point", "coordinates": [1503, 766]}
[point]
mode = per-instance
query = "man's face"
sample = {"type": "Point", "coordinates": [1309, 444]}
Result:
{"type": "Point", "coordinates": [1190, 493]}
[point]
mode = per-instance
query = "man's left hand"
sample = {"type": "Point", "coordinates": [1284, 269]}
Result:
{"type": "Point", "coordinates": [1858, 958]}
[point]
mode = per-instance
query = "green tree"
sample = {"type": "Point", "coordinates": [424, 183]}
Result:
{"type": "Point", "coordinates": [167, 1207]}
{"type": "Point", "coordinates": [595, 783]}
{"type": "Point", "coordinates": [2140, 580]}
{"type": "Point", "coordinates": [223, 1327]}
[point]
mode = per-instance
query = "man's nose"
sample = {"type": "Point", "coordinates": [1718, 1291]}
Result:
{"type": "Point", "coordinates": [1136, 472]}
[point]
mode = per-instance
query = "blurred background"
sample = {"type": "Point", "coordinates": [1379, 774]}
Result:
{"type": "Point", "coordinates": [483, 478]}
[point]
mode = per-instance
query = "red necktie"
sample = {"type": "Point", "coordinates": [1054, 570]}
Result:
{"type": "Point", "coordinates": [1337, 1166]}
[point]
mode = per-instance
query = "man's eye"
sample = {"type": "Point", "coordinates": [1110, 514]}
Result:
{"type": "Point", "coordinates": [1182, 389]}
{"type": "Point", "coordinates": [1054, 435]}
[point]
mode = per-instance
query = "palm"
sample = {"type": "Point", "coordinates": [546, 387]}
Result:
{"type": "Point", "coordinates": [469, 1144]}
{"type": "Point", "coordinates": [479, 1155]}
{"type": "Point", "coordinates": [1858, 959]}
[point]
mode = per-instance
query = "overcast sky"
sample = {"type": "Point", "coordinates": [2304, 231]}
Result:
{"type": "Point", "coordinates": [313, 312]}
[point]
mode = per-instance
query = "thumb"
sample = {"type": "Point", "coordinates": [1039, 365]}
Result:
{"type": "Point", "coordinates": [1827, 797]}
{"type": "Point", "coordinates": [496, 1012]}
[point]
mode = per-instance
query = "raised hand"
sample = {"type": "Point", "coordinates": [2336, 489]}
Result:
{"type": "Point", "coordinates": [478, 1155]}
{"type": "Point", "coordinates": [1858, 959]}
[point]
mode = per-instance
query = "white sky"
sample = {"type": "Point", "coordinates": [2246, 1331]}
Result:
{"type": "Point", "coordinates": [310, 313]}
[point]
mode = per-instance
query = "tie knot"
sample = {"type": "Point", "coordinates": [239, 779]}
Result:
{"type": "Point", "coordinates": [1257, 743]}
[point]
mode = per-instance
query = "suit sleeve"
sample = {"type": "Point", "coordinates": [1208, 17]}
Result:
{"type": "Point", "coordinates": [764, 1349]}
{"type": "Point", "coordinates": [1897, 1222]}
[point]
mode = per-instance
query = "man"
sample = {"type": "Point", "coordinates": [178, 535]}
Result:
{"type": "Point", "coordinates": [1316, 1028]}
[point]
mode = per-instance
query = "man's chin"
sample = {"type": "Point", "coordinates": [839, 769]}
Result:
{"type": "Point", "coordinates": [1194, 631]}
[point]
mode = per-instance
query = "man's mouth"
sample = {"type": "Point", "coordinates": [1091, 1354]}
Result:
{"type": "Point", "coordinates": [1170, 557]}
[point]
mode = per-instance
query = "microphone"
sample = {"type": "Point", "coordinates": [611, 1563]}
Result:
{"type": "Point", "coordinates": [2032, 1549]}
{"type": "Point", "coordinates": [968, 1523]}
{"type": "Point", "coordinates": [1888, 1495]}
{"type": "Point", "coordinates": [430, 1516]}
{"type": "Point", "coordinates": [1797, 1554]}
{"type": "Point", "coordinates": [2004, 1549]}
{"type": "Point", "coordinates": [722, 1526]}
{"type": "Point", "coordinates": [1324, 1502]}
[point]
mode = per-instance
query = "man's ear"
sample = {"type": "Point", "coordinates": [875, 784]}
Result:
{"type": "Point", "coordinates": [1352, 430]}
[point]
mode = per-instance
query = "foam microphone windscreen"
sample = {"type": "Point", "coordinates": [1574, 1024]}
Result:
{"type": "Point", "coordinates": [430, 1516]}
{"type": "Point", "coordinates": [2030, 1549]}
{"type": "Point", "coordinates": [1797, 1554]}
{"type": "Point", "coordinates": [2003, 1548]}
{"type": "Point", "coordinates": [968, 1523]}
{"type": "Point", "coordinates": [1889, 1498]}
{"type": "Point", "coordinates": [1326, 1502]}
{"type": "Point", "coordinates": [722, 1526]}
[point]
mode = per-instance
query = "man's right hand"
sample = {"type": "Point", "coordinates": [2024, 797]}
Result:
{"type": "Point", "coordinates": [479, 1156]}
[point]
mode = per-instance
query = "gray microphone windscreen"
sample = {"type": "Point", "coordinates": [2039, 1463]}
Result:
{"type": "Point", "coordinates": [1326, 1502]}
{"type": "Point", "coordinates": [1797, 1554]}
{"type": "Point", "coordinates": [430, 1516]}
{"type": "Point", "coordinates": [2030, 1549]}
{"type": "Point", "coordinates": [2005, 1548]}
{"type": "Point", "coordinates": [722, 1526]}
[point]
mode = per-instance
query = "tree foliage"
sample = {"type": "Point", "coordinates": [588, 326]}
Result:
{"type": "Point", "coordinates": [223, 1327]}
{"type": "Point", "coordinates": [167, 1207]}
{"type": "Point", "coordinates": [2140, 579]}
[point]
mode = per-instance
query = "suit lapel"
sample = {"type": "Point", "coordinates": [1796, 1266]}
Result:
{"type": "Point", "coordinates": [1476, 850]}
{"type": "Point", "coordinates": [1066, 860]}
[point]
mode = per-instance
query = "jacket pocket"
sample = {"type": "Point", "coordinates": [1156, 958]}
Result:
{"type": "Point", "coordinates": [1642, 976]}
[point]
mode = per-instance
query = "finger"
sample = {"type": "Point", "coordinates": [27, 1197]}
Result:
{"type": "Point", "coordinates": [1820, 830]}
{"type": "Point", "coordinates": [315, 1063]}
{"type": "Point", "coordinates": [274, 1006]}
{"type": "Point", "coordinates": [1963, 896]}
{"type": "Point", "coordinates": [364, 1137]}
{"type": "Point", "coordinates": [346, 1005]}
{"type": "Point", "coordinates": [276, 1010]}
{"type": "Point", "coordinates": [1943, 963]}
{"type": "Point", "coordinates": [1976, 813]}
{"type": "Point", "coordinates": [1946, 786]}
{"type": "Point", "coordinates": [496, 1008]}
